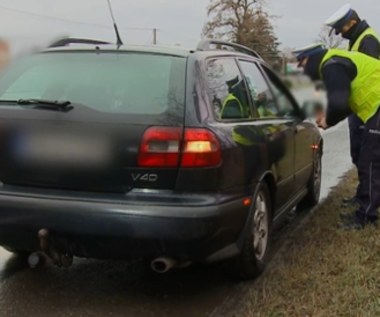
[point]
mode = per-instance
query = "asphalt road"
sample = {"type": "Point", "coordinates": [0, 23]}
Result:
{"type": "Point", "coordinates": [99, 288]}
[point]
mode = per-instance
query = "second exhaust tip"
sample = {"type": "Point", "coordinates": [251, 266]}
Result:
{"type": "Point", "coordinates": [162, 264]}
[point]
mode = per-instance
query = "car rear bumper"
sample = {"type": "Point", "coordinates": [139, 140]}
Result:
{"type": "Point", "coordinates": [197, 228]}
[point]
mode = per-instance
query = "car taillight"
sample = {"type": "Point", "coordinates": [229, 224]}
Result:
{"type": "Point", "coordinates": [165, 147]}
{"type": "Point", "coordinates": [160, 147]}
{"type": "Point", "coordinates": [200, 148]}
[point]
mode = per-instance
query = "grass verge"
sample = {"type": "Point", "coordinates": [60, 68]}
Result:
{"type": "Point", "coordinates": [321, 270]}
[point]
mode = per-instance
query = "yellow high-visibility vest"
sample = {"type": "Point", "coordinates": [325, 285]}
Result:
{"type": "Point", "coordinates": [369, 31]}
{"type": "Point", "coordinates": [365, 88]}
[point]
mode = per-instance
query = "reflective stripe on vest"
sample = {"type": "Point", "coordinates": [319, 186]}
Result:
{"type": "Point", "coordinates": [365, 88]}
{"type": "Point", "coordinates": [230, 98]}
{"type": "Point", "coordinates": [368, 31]}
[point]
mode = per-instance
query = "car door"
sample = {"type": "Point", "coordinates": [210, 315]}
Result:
{"type": "Point", "coordinates": [303, 145]}
{"type": "Point", "coordinates": [234, 123]}
{"type": "Point", "coordinates": [279, 130]}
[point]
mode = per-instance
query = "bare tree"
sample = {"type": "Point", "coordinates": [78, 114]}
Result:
{"type": "Point", "coordinates": [331, 41]}
{"type": "Point", "coordinates": [229, 18]}
{"type": "Point", "coordinates": [244, 22]}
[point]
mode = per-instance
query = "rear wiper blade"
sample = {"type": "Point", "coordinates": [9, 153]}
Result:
{"type": "Point", "coordinates": [44, 103]}
{"type": "Point", "coordinates": [41, 103]}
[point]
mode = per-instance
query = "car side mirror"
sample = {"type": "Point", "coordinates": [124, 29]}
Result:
{"type": "Point", "coordinates": [311, 108]}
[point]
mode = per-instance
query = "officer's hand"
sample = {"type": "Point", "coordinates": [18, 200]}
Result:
{"type": "Point", "coordinates": [321, 122]}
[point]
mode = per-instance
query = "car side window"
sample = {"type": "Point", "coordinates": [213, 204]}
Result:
{"type": "Point", "coordinates": [285, 105]}
{"type": "Point", "coordinates": [227, 90]}
{"type": "Point", "coordinates": [261, 95]}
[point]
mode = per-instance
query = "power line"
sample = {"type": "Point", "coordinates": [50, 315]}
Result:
{"type": "Point", "coordinates": [49, 17]}
{"type": "Point", "coordinates": [177, 35]}
{"type": "Point", "coordinates": [43, 16]}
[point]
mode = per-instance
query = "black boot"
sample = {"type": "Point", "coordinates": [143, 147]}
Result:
{"type": "Point", "coordinates": [356, 223]}
{"type": "Point", "coordinates": [350, 215]}
{"type": "Point", "coordinates": [350, 202]}
{"type": "Point", "coordinates": [347, 215]}
{"type": "Point", "coordinates": [351, 224]}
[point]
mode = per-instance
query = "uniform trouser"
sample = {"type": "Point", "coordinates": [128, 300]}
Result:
{"type": "Point", "coordinates": [356, 127]}
{"type": "Point", "coordinates": [369, 170]}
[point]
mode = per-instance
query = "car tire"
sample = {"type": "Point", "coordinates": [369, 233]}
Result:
{"type": "Point", "coordinates": [313, 186]}
{"type": "Point", "coordinates": [256, 241]}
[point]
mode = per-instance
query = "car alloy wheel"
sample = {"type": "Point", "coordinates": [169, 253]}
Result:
{"type": "Point", "coordinates": [317, 175]}
{"type": "Point", "coordinates": [260, 226]}
{"type": "Point", "coordinates": [313, 186]}
{"type": "Point", "coordinates": [253, 256]}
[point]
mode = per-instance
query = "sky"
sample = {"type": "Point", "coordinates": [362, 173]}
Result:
{"type": "Point", "coordinates": [29, 24]}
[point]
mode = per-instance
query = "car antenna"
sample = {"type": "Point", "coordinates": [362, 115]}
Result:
{"type": "Point", "coordinates": [118, 39]}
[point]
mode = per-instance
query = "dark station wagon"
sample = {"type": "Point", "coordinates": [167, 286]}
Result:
{"type": "Point", "coordinates": [169, 155]}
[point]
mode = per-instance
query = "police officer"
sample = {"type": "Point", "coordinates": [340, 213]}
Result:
{"type": "Point", "coordinates": [352, 82]}
{"type": "Point", "coordinates": [362, 38]}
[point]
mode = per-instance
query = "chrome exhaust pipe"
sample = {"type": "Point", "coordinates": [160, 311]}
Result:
{"type": "Point", "coordinates": [162, 264]}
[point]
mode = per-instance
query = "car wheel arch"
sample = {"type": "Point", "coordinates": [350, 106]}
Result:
{"type": "Point", "coordinates": [269, 180]}
{"type": "Point", "coordinates": [247, 265]}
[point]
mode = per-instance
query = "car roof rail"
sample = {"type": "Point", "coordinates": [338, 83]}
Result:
{"type": "Point", "coordinates": [67, 41]}
{"type": "Point", "coordinates": [205, 45]}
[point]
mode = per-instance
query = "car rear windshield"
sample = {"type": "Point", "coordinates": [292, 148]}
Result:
{"type": "Point", "coordinates": [113, 82]}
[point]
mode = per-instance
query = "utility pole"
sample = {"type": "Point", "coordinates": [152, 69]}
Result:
{"type": "Point", "coordinates": [154, 36]}
{"type": "Point", "coordinates": [284, 64]}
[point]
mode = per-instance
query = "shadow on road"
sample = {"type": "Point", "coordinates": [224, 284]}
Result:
{"type": "Point", "coordinates": [118, 288]}
{"type": "Point", "coordinates": [100, 288]}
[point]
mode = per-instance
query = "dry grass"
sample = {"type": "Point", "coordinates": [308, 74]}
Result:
{"type": "Point", "coordinates": [321, 270]}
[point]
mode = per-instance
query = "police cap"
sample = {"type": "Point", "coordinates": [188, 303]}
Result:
{"type": "Point", "coordinates": [308, 50]}
{"type": "Point", "coordinates": [340, 18]}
